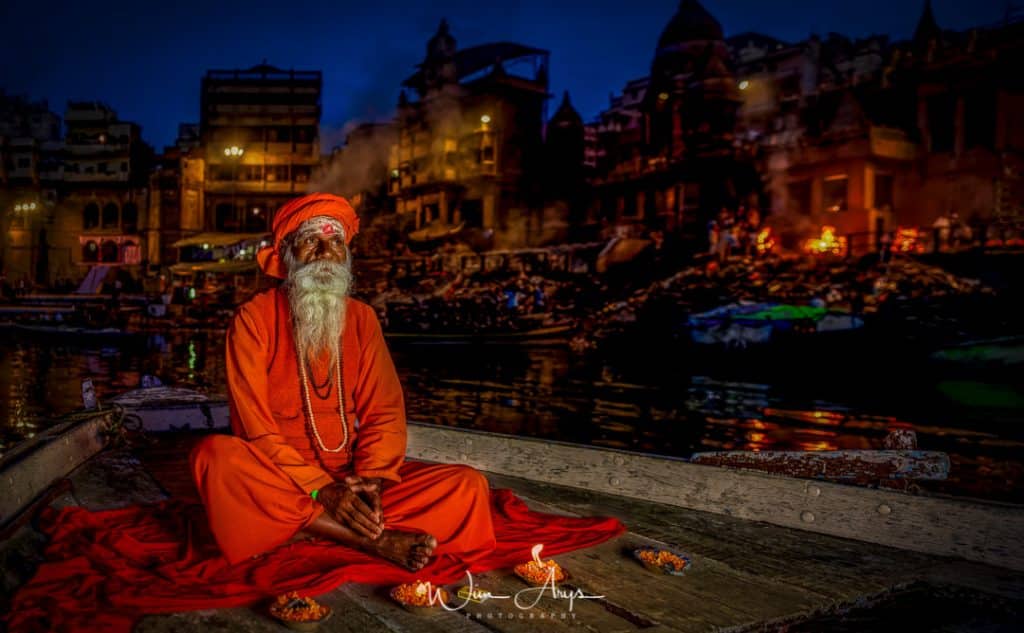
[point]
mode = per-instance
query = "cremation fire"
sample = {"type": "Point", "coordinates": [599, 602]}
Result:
{"type": "Point", "coordinates": [826, 244]}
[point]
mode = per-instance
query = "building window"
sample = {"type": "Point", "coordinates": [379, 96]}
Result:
{"type": "Point", "coordinates": [108, 251]}
{"type": "Point", "coordinates": [980, 119]}
{"type": "Point", "coordinates": [90, 216]}
{"type": "Point", "coordinates": [300, 173]}
{"type": "Point", "coordinates": [255, 219]}
{"type": "Point", "coordinates": [221, 172]}
{"type": "Point", "coordinates": [224, 217]}
{"type": "Point", "coordinates": [883, 191]}
{"type": "Point", "coordinates": [110, 216]}
{"type": "Point", "coordinates": [252, 172]}
{"type": "Point", "coordinates": [277, 173]}
{"type": "Point", "coordinates": [941, 120]}
{"type": "Point", "coordinates": [129, 218]}
{"type": "Point", "coordinates": [472, 213]}
{"type": "Point", "coordinates": [280, 134]}
{"type": "Point", "coordinates": [124, 167]}
{"type": "Point", "coordinates": [90, 252]}
{"type": "Point", "coordinates": [132, 253]}
{"type": "Point", "coordinates": [834, 193]}
{"type": "Point", "coordinates": [24, 162]}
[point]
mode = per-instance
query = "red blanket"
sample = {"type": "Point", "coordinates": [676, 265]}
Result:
{"type": "Point", "coordinates": [104, 570]}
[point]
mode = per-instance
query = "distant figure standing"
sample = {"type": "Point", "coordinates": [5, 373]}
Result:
{"type": "Point", "coordinates": [941, 229]}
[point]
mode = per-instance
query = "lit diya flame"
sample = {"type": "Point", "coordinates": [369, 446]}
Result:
{"type": "Point", "coordinates": [419, 594]}
{"type": "Point", "coordinates": [539, 572]}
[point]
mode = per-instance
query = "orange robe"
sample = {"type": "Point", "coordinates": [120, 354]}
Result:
{"type": "Point", "coordinates": [255, 486]}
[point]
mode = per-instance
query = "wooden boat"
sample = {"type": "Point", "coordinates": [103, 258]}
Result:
{"type": "Point", "coordinates": [745, 324]}
{"type": "Point", "coordinates": [997, 353]}
{"type": "Point", "coordinates": [768, 552]}
{"type": "Point", "coordinates": [552, 334]}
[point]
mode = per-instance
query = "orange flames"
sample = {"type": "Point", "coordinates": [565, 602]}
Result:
{"type": "Point", "coordinates": [827, 244]}
{"type": "Point", "coordinates": [765, 241]}
{"type": "Point", "coordinates": [907, 241]}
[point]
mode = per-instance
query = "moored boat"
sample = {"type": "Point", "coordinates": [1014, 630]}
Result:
{"type": "Point", "coordinates": [767, 551]}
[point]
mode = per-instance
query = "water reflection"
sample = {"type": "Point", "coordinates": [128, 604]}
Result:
{"type": "Point", "coordinates": [551, 393]}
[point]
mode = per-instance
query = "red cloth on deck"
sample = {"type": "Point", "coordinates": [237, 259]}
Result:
{"type": "Point", "coordinates": [104, 570]}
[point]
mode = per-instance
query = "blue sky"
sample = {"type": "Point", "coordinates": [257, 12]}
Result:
{"type": "Point", "coordinates": [146, 59]}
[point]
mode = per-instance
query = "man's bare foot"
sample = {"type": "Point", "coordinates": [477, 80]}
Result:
{"type": "Point", "coordinates": [408, 549]}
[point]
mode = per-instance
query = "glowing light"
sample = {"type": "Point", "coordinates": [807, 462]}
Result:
{"type": "Point", "coordinates": [227, 151]}
{"type": "Point", "coordinates": [535, 552]}
{"type": "Point", "coordinates": [744, 84]}
{"type": "Point", "coordinates": [32, 206]}
{"type": "Point", "coordinates": [17, 207]}
{"type": "Point", "coordinates": [663, 96]}
{"type": "Point", "coordinates": [827, 243]}
{"type": "Point", "coordinates": [485, 119]}
{"type": "Point", "coordinates": [907, 241]}
{"type": "Point", "coordinates": [191, 293]}
{"type": "Point", "coordinates": [255, 210]}
{"type": "Point", "coordinates": [765, 241]}
{"type": "Point", "coordinates": [206, 247]}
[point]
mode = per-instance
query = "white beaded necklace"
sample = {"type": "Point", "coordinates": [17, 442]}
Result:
{"type": "Point", "coordinates": [341, 405]}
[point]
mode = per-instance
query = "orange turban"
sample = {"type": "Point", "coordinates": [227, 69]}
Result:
{"type": "Point", "coordinates": [293, 214]}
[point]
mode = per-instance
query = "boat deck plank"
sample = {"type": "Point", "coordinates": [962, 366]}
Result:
{"type": "Point", "coordinates": [745, 575]}
{"type": "Point", "coordinates": [836, 568]}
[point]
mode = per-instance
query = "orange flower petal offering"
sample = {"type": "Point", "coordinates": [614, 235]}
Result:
{"type": "Point", "coordinates": [538, 572]}
{"type": "Point", "coordinates": [662, 561]}
{"type": "Point", "coordinates": [299, 612]}
{"type": "Point", "coordinates": [419, 595]}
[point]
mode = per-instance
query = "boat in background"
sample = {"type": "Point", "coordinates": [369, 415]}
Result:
{"type": "Point", "coordinates": [739, 325]}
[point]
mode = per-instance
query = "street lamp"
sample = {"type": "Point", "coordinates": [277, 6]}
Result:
{"type": "Point", "coordinates": [234, 154]}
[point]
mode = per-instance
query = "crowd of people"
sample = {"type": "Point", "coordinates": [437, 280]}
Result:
{"type": "Point", "coordinates": [734, 232]}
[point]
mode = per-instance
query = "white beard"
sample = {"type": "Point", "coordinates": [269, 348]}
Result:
{"type": "Point", "coordinates": [317, 294]}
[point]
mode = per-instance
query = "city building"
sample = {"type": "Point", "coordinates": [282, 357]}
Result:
{"type": "Point", "coordinates": [665, 156]}
{"type": "Point", "coordinates": [470, 141]}
{"type": "Point", "coordinates": [30, 173]}
{"type": "Point", "coordinates": [259, 144]}
{"type": "Point", "coordinates": [868, 136]}
{"type": "Point", "coordinates": [100, 217]}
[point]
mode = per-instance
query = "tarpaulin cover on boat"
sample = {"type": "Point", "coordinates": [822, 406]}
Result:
{"type": "Point", "coordinates": [103, 570]}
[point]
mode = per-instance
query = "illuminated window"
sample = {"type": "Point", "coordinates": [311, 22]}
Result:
{"type": "Point", "coordinates": [834, 193]}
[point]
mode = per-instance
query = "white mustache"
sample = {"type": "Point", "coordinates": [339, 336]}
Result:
{"type": "Point", "coordinates": [317, 295]}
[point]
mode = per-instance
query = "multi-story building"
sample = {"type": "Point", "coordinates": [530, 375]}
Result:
{"type": "Point", "coordinates": [30, 171]}
{"type": "Point", "coordinates": [667, 158]}
{"type": "Point", "coordinates": [866, 136]}
{"type": "Point", "coordinates": [259, 145]}
{"type": "Point", "coordinates": [470, 140]}
{"type": "Point", "coordinates": [100, 218]}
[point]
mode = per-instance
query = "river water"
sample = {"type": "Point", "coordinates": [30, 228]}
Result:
{"type": "Point", "coordinates": [644, 401]}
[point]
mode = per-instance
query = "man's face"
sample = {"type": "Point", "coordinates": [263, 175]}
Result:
{"type": "Point", "coordinates": [326, 244]}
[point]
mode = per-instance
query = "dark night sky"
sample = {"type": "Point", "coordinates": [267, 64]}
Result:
{"type": "Point", "coordinates": [146, 59]}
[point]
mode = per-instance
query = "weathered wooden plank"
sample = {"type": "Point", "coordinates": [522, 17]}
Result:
{"type": "Point", "coordinates": [711, 595]}
{"type": "Point", "coordinates": [28, 472]}
{"type": "Point", "coordinates": [838, 568]}
{"type": "Point", "coordinates": [858, 466]}
{"type": "Point", "coordinates": [974, 530]}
